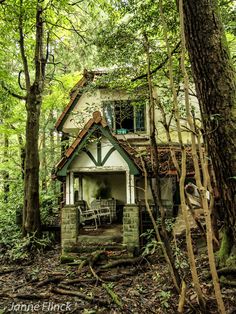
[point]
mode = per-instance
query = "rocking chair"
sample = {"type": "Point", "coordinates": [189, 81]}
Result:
{"type": "Point", "coordinates": [102, 212]}
{"type": "Point", "coordinates": [87, 214]}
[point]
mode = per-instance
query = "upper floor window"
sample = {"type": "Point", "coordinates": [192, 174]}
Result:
{"type": "Point", "coordinates": [125, 116]}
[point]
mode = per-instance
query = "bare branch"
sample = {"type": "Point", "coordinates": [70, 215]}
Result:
{"type": "Point", "coordinates": [72, 29]}
{"type": "Point", "coordinates": [75, 30]}
{"type": "Point", "coordinates": [47, 46]}
{"type": "Point", "coordinates": [74, 3]}
{"type": "Point", "coordinates": [158, 67]}
{"type": "Point", "coordinates": [12, 93]}
{"type": "Point", "coordinates": [19, 80]}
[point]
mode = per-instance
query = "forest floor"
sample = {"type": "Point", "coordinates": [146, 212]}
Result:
{"type": "Point", "coordinates": [44, 285]}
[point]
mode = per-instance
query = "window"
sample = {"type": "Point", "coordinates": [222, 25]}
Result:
{"type": "Point", "coordinates": [125, 116]}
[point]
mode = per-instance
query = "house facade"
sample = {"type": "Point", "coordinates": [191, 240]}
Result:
{"type": "Point", "coordinates": [104, 164]}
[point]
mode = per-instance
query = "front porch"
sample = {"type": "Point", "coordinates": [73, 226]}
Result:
{"type": "Point", "coordinates": [125, 233]}
{"type": "Point", "coordinates": [96, 169]}
{"type": "Point", "coordinates": [94, 189]}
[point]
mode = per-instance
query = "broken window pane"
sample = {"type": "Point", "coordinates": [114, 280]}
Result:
{"type": "Point", "coordinates": [124, 116]}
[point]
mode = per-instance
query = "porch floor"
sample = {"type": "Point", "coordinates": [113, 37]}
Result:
{"type": "Point", "coordinates": [103, 234]}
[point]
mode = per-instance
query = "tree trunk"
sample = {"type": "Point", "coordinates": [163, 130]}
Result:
{"type": "Point", "coordinates": [31, 212]}
{"type": "Point", "coordinates": [215, 86]}
{"type": "Point", "coordinates": [43, 164]}
{"type": "Point", "coordinates": [52, 151]}
{"type": "Point", "coordinates": [6, 176]}
{"type": "Point", "coordinates": [31, 215]}
{"type": "Point", "coordinates": [22, 155]}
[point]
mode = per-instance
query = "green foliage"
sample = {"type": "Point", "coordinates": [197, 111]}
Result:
{"type": "Point", "coordinates": [164, 297]}
{"type": "Point", "coordinates": [181, 261]}
{"type": "Point", "coordinates": [12, 245]}
{"type": "Point", "coordinates": [169, 223]}
{"type": "Point", "coordinates": [225, 248]}
{"type": "Point", "coordinates": [152, 244]}
{"type": "Point", "coordinates": [10, 233]}
{"type": "Point", "coordinates": [23, 248]}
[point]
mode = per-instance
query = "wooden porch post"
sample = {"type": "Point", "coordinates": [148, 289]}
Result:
{"type": "Point", "coordinates": [71, 184]}
{"type": "Point", "coordinates": [128, 198]}
{"type": "Point", "coordinates": [67, 189]}
{"type": "Point", "coordinates": [132, 189]}
{"type": "Point", "coordinates": [80, 187]}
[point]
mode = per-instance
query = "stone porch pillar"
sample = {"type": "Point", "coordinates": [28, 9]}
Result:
{"type": "Point", "coordinates": [69, 226]}
{"type": "Point", "coordinates": [131, 226]}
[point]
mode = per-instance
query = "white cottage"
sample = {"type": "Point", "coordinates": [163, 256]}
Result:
{"type": "Point", "coordinates": [101, 169]}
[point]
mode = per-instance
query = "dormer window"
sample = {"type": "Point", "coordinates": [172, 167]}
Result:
{"type": "Point", "coordinates": [125, 116]}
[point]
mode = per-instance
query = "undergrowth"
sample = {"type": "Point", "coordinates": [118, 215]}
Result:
{"type": "Point", "coordinates": [13, 246]}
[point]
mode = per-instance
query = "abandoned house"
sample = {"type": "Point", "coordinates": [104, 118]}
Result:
{"type": "Point", "coordinates": [102, 170]}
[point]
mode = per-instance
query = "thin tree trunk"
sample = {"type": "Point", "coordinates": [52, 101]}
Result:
{"type": "Point", "coordinates": [155, 163]}
{"type": "Point", "coordinates": [53, 151]}
{"type": "Point", "coordinates": [52, 141]}
{"type": "Point", "coordinates": [22, 155]}
{"type": "Point", "coordinates": [191, 258]}
{"type": "Point", "coordinates": [175, 279]}
{"type": "Point", "coordinates": [43, 164]}
{"type": "Point", "coordinates": [6, 176]}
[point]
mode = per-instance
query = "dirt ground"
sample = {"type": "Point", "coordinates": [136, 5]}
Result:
{"type": "Point", "coordinates": [44, 285]}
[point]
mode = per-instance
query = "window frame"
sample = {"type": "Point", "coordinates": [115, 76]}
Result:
{"type": "Point", "coordinates": [135, 107]}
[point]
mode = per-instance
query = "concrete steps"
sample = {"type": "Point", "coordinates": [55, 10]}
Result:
{"type": "Point", "coordinates": [79, 252]}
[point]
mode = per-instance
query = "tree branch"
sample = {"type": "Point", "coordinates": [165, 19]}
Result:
{"type": "Point", "coordinates": [73, 29]}
{"type": "Point", "coordinates": [12, 93]}
{"type": "Point", "coordinates": [22, 49]}
{"type": "Point", "coordinates": [158, 67]}
{"type": "Point", "coordinates": [19, 81]}
{"type": "Point", "coordinates": [74, 3]}
{"type": "Point", "coordinates": [39, 62]}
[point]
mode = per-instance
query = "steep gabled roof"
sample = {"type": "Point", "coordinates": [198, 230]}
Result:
{"type": "Point", "coordinates": [94, 124]}
{"type": "Point", "coordinates": [76, 93]}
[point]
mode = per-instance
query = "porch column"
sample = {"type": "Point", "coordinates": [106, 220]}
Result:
{"type": "Point", "coordinates": [80, 187]}
{"type": "Point", "coordinates": [70, 188]}
{"type": "Point", "coordinates": [67, 189]}
{"type": "Point", "coordinates": [130, 189]}
{"type": "Point", "coordinates": [72, 196]}
{"type": "Point", "coordinates": [128, 194]}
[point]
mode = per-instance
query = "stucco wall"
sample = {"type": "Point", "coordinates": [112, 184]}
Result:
{"type": "Point", "coordinates": [166, 190]}
{"type": "Point", "coordinates": [115, 160]}
{"type": "Point", "coordinates": [92, 101]}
